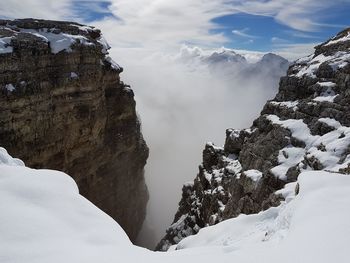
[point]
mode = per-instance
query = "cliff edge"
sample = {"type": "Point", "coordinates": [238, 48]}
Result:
{"type": "Point", "coordinates": [64, 107]}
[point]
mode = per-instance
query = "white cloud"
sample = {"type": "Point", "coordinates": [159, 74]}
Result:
{"type": "Point", "coordinates": [300, 34]}
{"type": "Point", "coordinates": [47, 9]}
{"type": "Point", "coordinates": [164, 24]}
{"type": "Point", "coordinates": [294, 51]}
{"type": "Point", "coordinates": [242, 33]}
{"type": "Point", "coordinates": [186, 100]}
{"type": "Point", "coordinates": [277, 40]}
{"type": "Point", "coordinates": [301, 15]}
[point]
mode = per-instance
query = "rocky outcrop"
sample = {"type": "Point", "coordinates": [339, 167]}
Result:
{"type": "Point", "coordinates": [305, 127]}
{"type": "Point", "coordinates": [63, 106]}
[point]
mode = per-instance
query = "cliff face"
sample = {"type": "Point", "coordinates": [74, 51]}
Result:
{"type": "Point", "coordinates": [63, 106]}
{"type": "Point", "coordinates": [305, 127]}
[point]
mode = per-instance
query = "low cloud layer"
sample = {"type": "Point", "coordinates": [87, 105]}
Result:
{"type": "Point", "coordinates": [184, 101]}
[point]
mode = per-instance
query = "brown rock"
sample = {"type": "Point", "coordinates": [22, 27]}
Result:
{"type": "Point", "coordinates": [69, 111]}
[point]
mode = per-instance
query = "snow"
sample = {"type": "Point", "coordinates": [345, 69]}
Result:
{"type": "Point", "coordinates": [327, 95]}
{"type": "Point", "coordinates": [83, 28]}
{"type": "Point", "coordinates": [340, 60]}
{"type": "Point", "coordinates": [309, 65]}
{"type": "Point", "coordinates": [188, 184]}
{"type": "Point", "coordinates": [298, 128]}
{"type": "Point", "coordinates": [342, 39]}
{"type": "Point", "coordinates": [74, 75]}
{"type": "Point", "coordinates": [287, 158]}
{"type": "Point", "coordinates": [331, 122]}
{"type": "Point", "coordinates": [234, 167]}
{"type": "Point", "coordinates": [59, 42]}
{"type": "Point", "coordinates": [114, 65]}
{"type": "Point", "coordinates": [44, 219]}
{"type": "Point", "coordinates": [288, 191]}
{"type": "Point", "coordinates": [327, 84]}
{"type": "Point", "coordinates": [325, 98]}
{"type": "Point", "coordinates": [9, 87]}
{"type": "Point", "coordinates": [335, 143]}
{"type": "Point", "coordinates": [312, 66]}
{"type": "Point", "coordinates": [105, 45]}
{"type": "Point", "coordinates": [6, 159]}
{"type": "Point", "coordinates": [5, 45]}
{"type": "Point", "coordinates": [255, 175]}
{"type": "Point", "coordinates": [288, 104]}
{"type": "Point", "coordinates": [312, 227]}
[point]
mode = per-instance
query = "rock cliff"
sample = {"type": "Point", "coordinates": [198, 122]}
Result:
{"type": "Point", "coordinates": [305, 127]}
{"type": "Point", "coordinates": [63, 106]}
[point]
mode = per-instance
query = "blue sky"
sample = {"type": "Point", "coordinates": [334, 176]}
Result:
{"type": "Point", "coordinates": [259, 32]}
{"type": "Point", "coordinates": [256, 32]}
{"type": "Point", "coordinates": [291, 28]}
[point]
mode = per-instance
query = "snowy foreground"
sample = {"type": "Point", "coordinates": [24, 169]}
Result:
{"type": "Point", "coordinates": [44, 219]}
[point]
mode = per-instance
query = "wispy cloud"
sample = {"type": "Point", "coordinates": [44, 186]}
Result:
{"type": "Point", "coordinates": [292, 51]}
{"type": "Point", "coordinates": [300, 34]}
{"type": "Point", "coordinates": [47, 9]}
{"type": "Point", "coordinates": [242, 33]}
{"type": "Point", "coordinates": [158, 24]}
{"type": "Point", "coordinates": [301, 15]}
{"type": "Point", "coordinates": [277, 40]}
{"type": "Point", "coordinates": [166, 24]}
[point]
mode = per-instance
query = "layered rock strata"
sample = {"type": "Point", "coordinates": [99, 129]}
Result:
{"type": "Point", "coordinates": [63, 106]}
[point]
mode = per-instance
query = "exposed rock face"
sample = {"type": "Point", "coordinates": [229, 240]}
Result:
{"type": "Point", "coordinates": [305, 127]}
{"type": "Point", "coordinates": [63, 106]}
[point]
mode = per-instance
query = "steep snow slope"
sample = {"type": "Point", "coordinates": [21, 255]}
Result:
{"type": "Point", "coordinates": [44, 219]}
{"type": "Point", "coordinates": [312, 227]}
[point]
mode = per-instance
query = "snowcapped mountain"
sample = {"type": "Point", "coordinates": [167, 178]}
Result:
{"type": "Point", "coordinates": [305, 127]}
{"type": "Point", "coordinates": [224, 56]}
{"type": "Point", "coordinates": [227, 58]}
{"type": "Point", "coordinates": [228, 64]}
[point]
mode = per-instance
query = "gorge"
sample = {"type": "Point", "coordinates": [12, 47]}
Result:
{"type": "Point", "coordinates": [64, 107]}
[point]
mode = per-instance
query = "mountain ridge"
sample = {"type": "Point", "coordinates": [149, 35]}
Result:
{"type": "Point", "coordinates": [305, 127]}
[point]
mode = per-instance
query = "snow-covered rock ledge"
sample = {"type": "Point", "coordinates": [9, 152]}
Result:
{"type": "Point", "coordinates": [44, 219]}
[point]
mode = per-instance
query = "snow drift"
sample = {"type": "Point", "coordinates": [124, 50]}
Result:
{"type": "Point", "coordinates": [44, 219]}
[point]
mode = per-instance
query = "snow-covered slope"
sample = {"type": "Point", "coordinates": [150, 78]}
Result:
{"type": "Point", "coordinates": [44, 219]}
{"type": "Point", "coordinates": [312, 227]}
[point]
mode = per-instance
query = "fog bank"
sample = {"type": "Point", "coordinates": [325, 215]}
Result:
{"type": "Point", "coordinates": [184, 101]}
